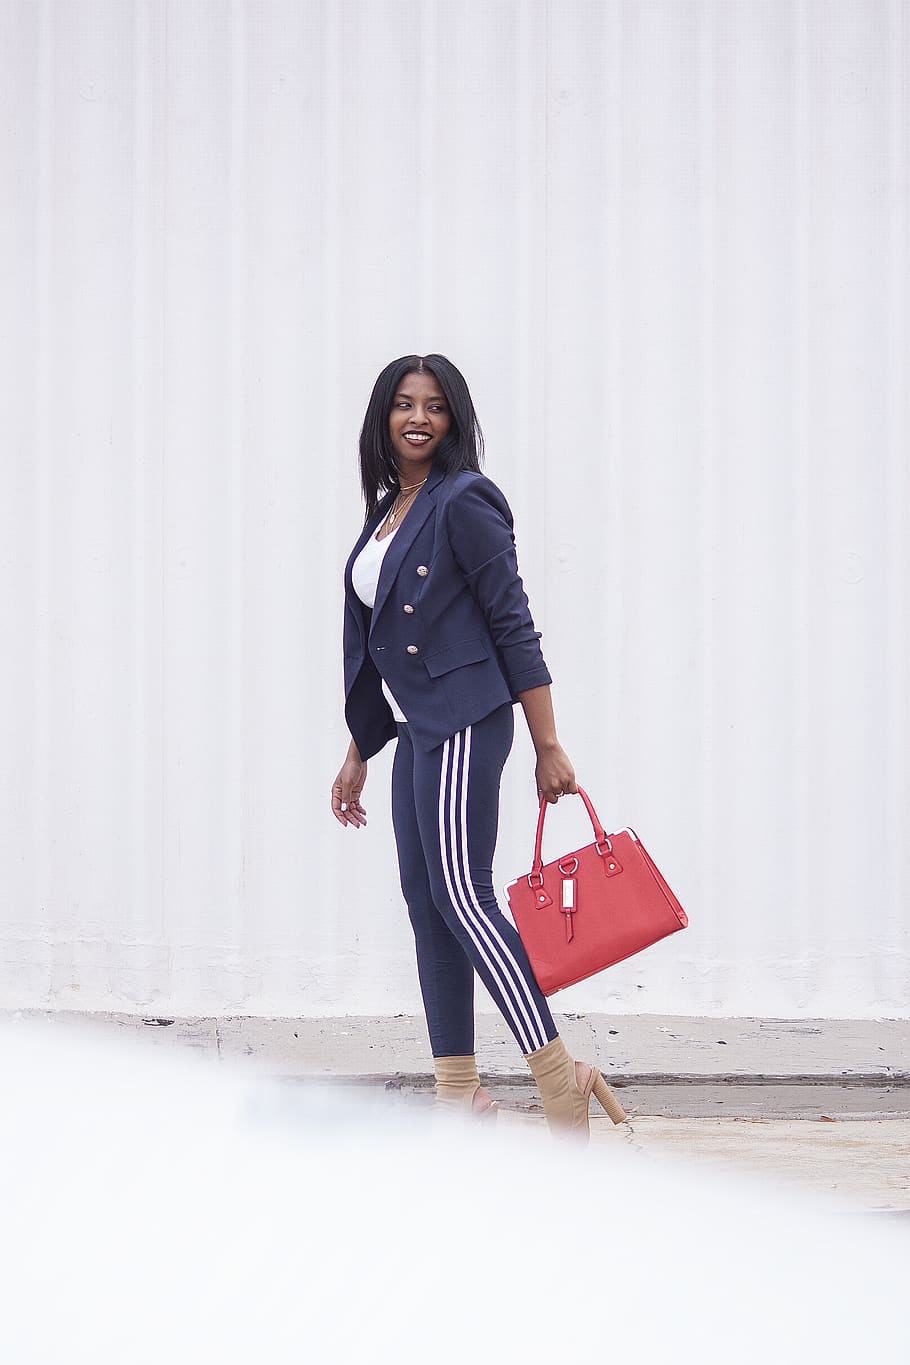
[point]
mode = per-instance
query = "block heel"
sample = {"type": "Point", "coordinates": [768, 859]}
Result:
{"type": "Point", "coordinates": [605, 1097]}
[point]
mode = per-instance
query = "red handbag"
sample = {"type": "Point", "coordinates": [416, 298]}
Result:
{"type": "Point", "coordinates": [591, 908]}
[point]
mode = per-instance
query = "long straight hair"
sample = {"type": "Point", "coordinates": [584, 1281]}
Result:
{"type": "Point", "coordinates": [460, 448]}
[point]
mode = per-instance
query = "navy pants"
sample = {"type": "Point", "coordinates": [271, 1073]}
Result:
{"type": "Point", "coordinates": [445, 812]}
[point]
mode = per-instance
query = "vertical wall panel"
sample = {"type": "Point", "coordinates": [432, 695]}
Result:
{"type": "Point", "coordinates": [667, 242]}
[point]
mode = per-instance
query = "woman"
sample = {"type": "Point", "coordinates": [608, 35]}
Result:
{"type": "Point", "coordinates": [439, 644]}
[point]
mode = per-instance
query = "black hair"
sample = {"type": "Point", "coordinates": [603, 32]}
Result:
{"type": "Point", "coordinates": [460, 448]}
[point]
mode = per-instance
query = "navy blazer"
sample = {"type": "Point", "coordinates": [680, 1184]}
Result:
{"type": "Point", "coordinates": [451, 630]}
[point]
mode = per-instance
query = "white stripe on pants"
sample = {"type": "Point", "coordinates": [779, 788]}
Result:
{"type": "Point", "coordinates": [484, 933]}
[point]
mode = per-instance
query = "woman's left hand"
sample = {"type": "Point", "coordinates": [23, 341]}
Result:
{"type": "Point", "coordinates": [554, 774]}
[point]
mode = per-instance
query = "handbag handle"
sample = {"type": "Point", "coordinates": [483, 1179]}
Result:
{"type": "Point", "coordinates": [603, 845]}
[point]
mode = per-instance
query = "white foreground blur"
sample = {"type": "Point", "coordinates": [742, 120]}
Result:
{"type": "Point", "coordinates": [159, 1208]}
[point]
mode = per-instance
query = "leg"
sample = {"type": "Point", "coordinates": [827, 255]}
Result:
{"type": "Point", "coordinates": [457, 800]}
{"type": "Point", "coordinates": [445, 973]}
{"type": "Point", "coordinates": [457, 795]}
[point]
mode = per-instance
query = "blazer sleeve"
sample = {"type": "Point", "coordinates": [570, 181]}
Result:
{"type": "Point", "coordinates": [483, 543]}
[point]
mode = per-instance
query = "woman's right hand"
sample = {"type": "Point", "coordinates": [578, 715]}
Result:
{"type": "Point", "coordinates": [346, 790]}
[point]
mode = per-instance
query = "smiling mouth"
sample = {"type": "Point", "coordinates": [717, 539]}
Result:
{"type": "Point", "coordinates": [417, 438]}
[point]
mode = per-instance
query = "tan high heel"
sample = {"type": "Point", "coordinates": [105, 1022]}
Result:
{"type": "Point", "coordinates": [565, 1102]}
{"type": "Point", "coordinates": [458, 1087]}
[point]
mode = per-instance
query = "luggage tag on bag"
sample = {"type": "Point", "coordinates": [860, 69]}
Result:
{"type": "Point", "coordinates": [568, 867]}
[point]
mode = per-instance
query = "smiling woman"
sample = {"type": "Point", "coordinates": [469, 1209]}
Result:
{"type": "Point", "coordinates": [418, 422]}
{"type": "Point", "coordinates": [418, 394]}
{"type": "Point", "coordinates": [439, 644]}
{"type": "Point", "coordinates": [419, 419]}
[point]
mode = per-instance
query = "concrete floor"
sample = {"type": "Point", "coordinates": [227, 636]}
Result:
{"type": "Point", "coordinates": [832, 1139]}
{"type": "Point", "coordinates": [821, 1103]}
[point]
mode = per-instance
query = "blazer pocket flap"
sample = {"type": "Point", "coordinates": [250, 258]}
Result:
{"type": "Point", "coordinates": [456, 656]}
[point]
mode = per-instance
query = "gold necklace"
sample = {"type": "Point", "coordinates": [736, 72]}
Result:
{"type": "Point", "coordinates": [398, 508]}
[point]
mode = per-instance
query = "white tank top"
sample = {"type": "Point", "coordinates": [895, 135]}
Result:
{"type": "Point", "coordinates": [365, 577]}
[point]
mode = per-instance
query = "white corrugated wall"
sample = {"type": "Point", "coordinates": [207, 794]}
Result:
{"type": "Point", "coordinates": [667, 243]}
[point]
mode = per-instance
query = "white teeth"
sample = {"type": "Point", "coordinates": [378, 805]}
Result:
{"type": "Point", "coordinates": [417, 436]}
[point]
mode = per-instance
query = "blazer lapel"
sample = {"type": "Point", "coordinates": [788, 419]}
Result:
{"type": "Point", "coordinates": [417, 514]}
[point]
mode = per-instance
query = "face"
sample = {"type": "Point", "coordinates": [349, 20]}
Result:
{"type": "Point", "coordinates": [418, 421]}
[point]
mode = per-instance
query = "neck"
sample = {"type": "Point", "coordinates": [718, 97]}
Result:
{"type": "Point", "coordinates": [411, 472]}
